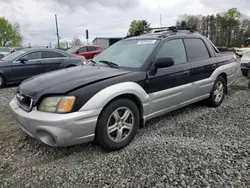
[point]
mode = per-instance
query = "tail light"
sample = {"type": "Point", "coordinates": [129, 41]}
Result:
{"type": "Point", "coordinates": [234, 57]}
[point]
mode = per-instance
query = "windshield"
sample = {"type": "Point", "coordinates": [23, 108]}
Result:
{"type": "Point", "coordinates": [130, 53]}
{"type": "Point", "coordinates": [4, 50]}
{"type": "Point", "coordinates": [71, 50]}
{"type": "Point", "coordinates": [12, 56]}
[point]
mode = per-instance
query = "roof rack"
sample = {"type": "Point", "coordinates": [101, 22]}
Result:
{"type": "Point", "coordinates": [159, 30]}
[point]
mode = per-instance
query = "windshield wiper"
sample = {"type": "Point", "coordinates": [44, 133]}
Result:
{"type": "Point", "coordinates": [93, 61]}
{"type": "Point", "coordinates": [109, 63]}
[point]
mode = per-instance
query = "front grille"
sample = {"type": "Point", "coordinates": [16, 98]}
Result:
{"type": "Point", "coordinates": [24, 101]}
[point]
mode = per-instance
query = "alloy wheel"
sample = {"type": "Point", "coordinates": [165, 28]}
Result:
{"type": "Point", "coordinates": [120, 124]}
{"type": "Point", "coordinates": [218, 92]}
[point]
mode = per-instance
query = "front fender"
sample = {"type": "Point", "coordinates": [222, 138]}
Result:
{"type": "Point", "coordinates": [104, 96]}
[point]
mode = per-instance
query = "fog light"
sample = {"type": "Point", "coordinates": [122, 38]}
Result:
{"type": "Point", "coordinates": [46, 137]}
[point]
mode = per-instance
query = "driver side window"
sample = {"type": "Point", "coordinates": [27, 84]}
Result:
{"type": "Point", "coordinates": [175, 49]}
{"type": "Point", "coordinates": [33, 56]}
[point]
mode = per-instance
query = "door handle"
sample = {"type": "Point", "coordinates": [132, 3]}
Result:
{"type": "Point", "coordinates": [186, 73]}
{"type": "Point", "coordinates": [62, 60]}
{"type": "Point", "coordinates": [39, 62]}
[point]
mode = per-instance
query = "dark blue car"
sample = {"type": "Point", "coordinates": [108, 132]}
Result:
{"type": "Point", "coordinates": [23, 64]}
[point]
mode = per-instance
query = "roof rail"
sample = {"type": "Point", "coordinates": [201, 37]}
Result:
{"type": "Point", "coordinates": [160, 29]}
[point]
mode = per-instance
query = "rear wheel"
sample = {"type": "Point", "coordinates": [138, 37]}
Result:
{"type": "Point", "coordinates": [2, 81]}
{"type": "Point", "coordinates": [117, 125]}
{"type": "Point", "coordinates": [70, 66]}
{"type": "Point", "coordinates": [218, 93]}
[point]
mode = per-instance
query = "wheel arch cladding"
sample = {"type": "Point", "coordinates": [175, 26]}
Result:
{"type": "Point", "coordinates": [131, 90]}
{"type": "Point", "coordinates": [134, 99]}
{"type": "Point", "coordinates": [224, 76]}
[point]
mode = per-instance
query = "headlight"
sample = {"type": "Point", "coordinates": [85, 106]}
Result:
{"type": "Point", "coordinates": [57, 104]}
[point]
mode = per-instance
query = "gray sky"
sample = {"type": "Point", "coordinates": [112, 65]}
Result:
{"type": "Point", "coordinates": [103, 18]}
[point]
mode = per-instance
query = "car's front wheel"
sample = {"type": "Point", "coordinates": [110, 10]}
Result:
{"type": "Point", "coordinates": [117, 124]}
{"type": "Point", "coordinates": [2, 81]}
{"type": "Point", "coordinates": [218, 93]}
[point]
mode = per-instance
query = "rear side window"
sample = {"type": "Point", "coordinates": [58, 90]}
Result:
{"type": "Point", "coordinates": [52, 55]}
{"type": "Point", "coordinates": [196, 49]}
{"type": "Point", "coordinates": [92, 48]}
{"type": "Point", "coordinates": [174, 49]}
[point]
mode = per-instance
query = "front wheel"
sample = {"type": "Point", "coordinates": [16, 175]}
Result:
{"type": "Point", "coordinates": [217, 94]}
{"type": "Point", "coordinates": [2, 81]}
{"type": "Point", "coordinates": [117, 124]}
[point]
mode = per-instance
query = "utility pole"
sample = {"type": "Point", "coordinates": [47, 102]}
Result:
{"type": "Point", "coordinates": [50, 45]}
{"type": "Point", "coordinates": [161, 20]}
{"type": "Point", "coordinates": [57, 33]}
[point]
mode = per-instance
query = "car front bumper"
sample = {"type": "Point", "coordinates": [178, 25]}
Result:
{"type": "Point", "coordinates": [57, 129]}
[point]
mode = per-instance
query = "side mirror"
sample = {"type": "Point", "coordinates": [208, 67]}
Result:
{"type": "Point", "coordinates": [77, 52]}
{"type": "Point", "coordinates": [23, 60]}
{"type": "Point", "coordinates": [164, 62]}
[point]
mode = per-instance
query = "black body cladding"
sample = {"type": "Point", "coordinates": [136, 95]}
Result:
{"type": "Point", "coordinates": [84, 82]}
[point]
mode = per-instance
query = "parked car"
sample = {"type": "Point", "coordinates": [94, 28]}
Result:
{"type": "Point", "coordinates": [240, 51]}
{"type": "Point", "coordinates": [134, 80]}
{"type": "Point", "coordinates": [89, 52]}
{"type": "Point", "coordinates": [245, 63]}
{"type": "Point", "coordinates": [26, 63]}
{"type": "Point", "coordinates": [5, 51]}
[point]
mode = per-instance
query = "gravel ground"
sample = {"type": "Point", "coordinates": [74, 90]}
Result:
{"type": "Point", "coordinates": [193, 147]}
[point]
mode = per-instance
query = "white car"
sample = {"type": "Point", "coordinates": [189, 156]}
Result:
{"type": "Point", "coordinates": [240, 51]}
{"type": "Point", "coordinates": [245, 62]}
{"type": "Point", "coordinates": [5, 51]}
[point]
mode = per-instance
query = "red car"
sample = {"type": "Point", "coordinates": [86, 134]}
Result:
{"type": "Point", "coordinates": [89, 52]}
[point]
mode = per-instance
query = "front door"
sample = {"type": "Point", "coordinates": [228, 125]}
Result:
{"type": "Point", "coordinates": [21, 71]}
{"type": "Point", "coordinates": [169, 87]}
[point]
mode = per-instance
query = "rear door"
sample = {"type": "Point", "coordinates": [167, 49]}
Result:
{"type": "Point", "coordinates": [83, 51]}
{"type": "Point", "coordinates": [168, 86]}
{"type": "Point", "coordinates": [91, 51]}
{"type": "Point", "coordinates": [53, 60]}
{"type": "Point", "coordinates": [203, 64]}
{"type": "Point", "coordinates": [21, 71]}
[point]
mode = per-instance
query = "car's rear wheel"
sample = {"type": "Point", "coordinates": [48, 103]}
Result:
{"type": "Point", "coordinates": [2, 81]}
{"type": "Point", "coordinates": [117, 124]}
{"type": "Point", "coordinates": [245, 73]}
{"type": "Point", "coordinates": [70, 66]}
{"type": "Point", "coordinates": [218, 93]}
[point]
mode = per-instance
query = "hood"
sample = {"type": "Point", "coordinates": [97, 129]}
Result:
{"type": "Point", "coordinates": [65, 80]}
{"type": "Point", "coordinates": [4, 53]}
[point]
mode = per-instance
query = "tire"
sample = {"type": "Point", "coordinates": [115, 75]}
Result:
{"type": "Point", "coordinates": [70, 66]}
{"type": "Point", "coordinates": [245, 73]}
{"type": "Point", "coordinates": [2, 81]}
{"type": "Point", "coordinates": [112, 116]}
{"type": "Point", "coordinates": [219, 87]}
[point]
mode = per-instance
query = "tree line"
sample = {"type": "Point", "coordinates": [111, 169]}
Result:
{"type": "Point", "coordinates": [225, 29]}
